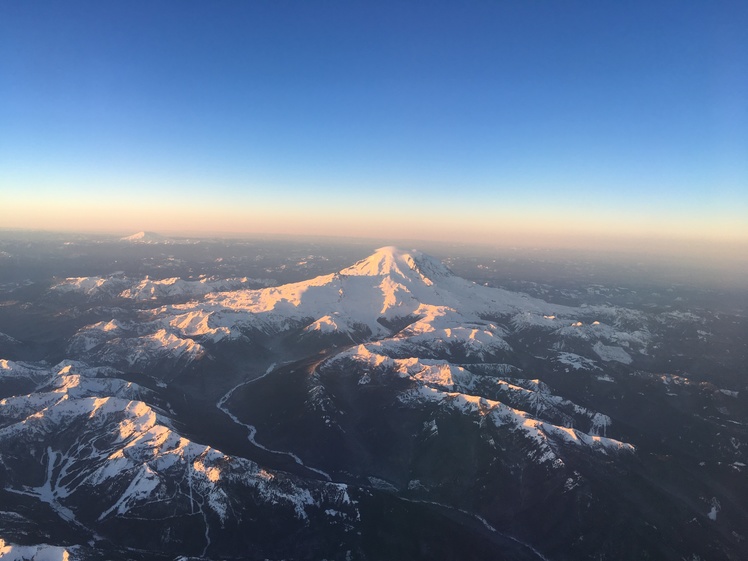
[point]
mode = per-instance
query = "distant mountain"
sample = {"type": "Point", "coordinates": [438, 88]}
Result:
{"type": "Point", "coordinates": [146, 237]}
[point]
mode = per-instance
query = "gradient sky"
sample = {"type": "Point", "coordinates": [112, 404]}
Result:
{"type": "Point", "coordinates": [484, 121]}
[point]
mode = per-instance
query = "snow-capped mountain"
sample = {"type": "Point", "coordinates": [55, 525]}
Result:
{"type": "Point", "coordinates": [121, 286]}
{"type": "Point", "coordinates": [100, 457]}
{"type": "Point", "coordinates": [389, 410]}
{"type": "Point", "coordinates": [393, 293]}
{"type": "Point", "coordinates": [14, 552]}
{"type": "Point", "coordinates": [146, 237]}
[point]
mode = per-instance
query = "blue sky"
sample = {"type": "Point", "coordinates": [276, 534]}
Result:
{"type": "Point", "coordinates": [481, 120]}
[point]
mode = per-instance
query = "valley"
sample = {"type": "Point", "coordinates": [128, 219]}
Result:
{"type": "Point", "coordinates": [385, 408]}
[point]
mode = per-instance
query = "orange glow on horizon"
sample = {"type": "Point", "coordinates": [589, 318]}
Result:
{"type": "Point", "coordinates": [506, 227]}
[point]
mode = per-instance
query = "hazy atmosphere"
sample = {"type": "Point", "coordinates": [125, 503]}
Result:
{"type": "Point", "coordinates": [577, 123]}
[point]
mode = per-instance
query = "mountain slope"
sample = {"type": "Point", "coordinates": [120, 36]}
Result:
{"type": "Point", "coordinates": [392, 292]}
{"type": "Point", "coordinates": [390, 410]}
{"type": "Point", "coordinates": [105, 461]}
{"type": "Point", "coordinates": [145, 237]}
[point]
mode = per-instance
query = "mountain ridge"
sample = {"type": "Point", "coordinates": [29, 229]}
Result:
{"type": "Point", "coordinates": [145, 237]}
{"type": "Point", "coordinates": [446, 411]}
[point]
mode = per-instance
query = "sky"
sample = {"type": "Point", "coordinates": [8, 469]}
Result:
{"type": "Point", "coordinates": [494, 122]}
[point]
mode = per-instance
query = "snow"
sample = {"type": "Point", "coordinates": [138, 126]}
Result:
{"type": "Point", "coordinates": [437, 373]}
{"type": "Point", "coordinates": [147, 289]}
{"type": "Point", "coordinates": [90, 285]}
{"type": "Point", "coordinates": [576, 361]}
{"type": "Point", "coordinates": [5, 338]}
{"type": "Point", "coordinates": [393, 262]}
{"type": "Point", "coordinates": [442, 315]}
{"type": "Point", "coordinates": [43, 552]}
{"type": "Point", "coordinates": [145, 237]}
{"type": "Point", "coordinates": [716, 507]}
{"type": "Point", "coordinates": [600, 423]}
{"type": "Point", "coordinates": [324, 324]}
{"type": "Point", "coordinates": [392, 286]}
{"type": "Point", "coordinates": [128, 451]}
{"type": "Point", "coordinates": [436, 313]}
{"type": "Point", "coordinates": [544, 435]}
{"type": "Point", "coordinates": [11, 369]}
{"type": "Point", "coordinates": [126, 345]}
{"type": "Point", "coordinates": [141, 487]}
{"type": "Point", "coordinates": [610, 353]}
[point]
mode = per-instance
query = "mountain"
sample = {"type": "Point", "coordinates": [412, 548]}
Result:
{"type": "Point", "coordinates": [119, 286]}
{"type": "Point", "coordinates": [13, 552]}
{"type": "Point", "coordinates": [107, 462]}
{"type": "Point", "coordinates": [146, 237]}
{"type": "Point", "coordinates": [391, 293]}
{"type": "Point", "coordinates": [390, 410]}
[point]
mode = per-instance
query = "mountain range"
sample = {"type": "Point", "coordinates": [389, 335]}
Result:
{"type": "Point", "coordinates": [390, 410]}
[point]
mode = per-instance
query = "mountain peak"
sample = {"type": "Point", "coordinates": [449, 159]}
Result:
{"type": "Point", "coordinates": [144, 237]}
{"type": "Point", "coordinates": [393, 261]}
